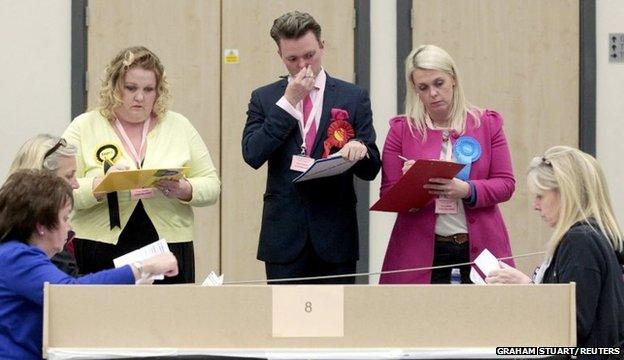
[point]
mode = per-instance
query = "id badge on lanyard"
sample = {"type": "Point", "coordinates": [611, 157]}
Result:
{"type": "Point", "coordinates": [136, 194]}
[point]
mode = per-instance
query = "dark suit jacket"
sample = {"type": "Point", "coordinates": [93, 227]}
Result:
{"type": "Point", "coordinates": [323, 208]}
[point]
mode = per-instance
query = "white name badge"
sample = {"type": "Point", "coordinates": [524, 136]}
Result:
{"type": "Point", "coordinates": [137, 194]}
{"type": "Point", "coordinates": [301, 163]}
{"type": "Point", "coordinates": [445, 206]}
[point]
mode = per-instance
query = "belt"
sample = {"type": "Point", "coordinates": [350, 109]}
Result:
{"type": "Point", "coordinates": [455, 238]}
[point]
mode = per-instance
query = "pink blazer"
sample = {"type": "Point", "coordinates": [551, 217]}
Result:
{"type": "Point", "coordinates": [412, 240]}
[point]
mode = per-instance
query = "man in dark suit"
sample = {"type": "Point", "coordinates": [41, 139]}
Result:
{"type": "Point", "coordinates": [308, 228]}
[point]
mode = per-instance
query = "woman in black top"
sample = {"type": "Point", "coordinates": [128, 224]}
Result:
{"type": "Point", "coordinates": [572, 197]}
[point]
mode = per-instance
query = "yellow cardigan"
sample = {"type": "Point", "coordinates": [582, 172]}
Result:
{"type": "Point", "coordinates": [172, 143]}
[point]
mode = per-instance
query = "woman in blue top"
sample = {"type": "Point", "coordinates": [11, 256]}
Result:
{"type": "Point", "coordinates": [34, 213]}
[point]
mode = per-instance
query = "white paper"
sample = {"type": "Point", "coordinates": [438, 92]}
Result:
{"type": "Point", "coordinates": [475, 277]}
{"type": "Point", "coordinates": [213, 280]}
{"type": "Point", "coordinates": [333, 165]}
{"type": "Point", "coordinates": [147, 251]}
{"type": "Point", "coordinates": [486, 262]}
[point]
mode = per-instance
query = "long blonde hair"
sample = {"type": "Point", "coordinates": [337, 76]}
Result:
{"type": "Point", "coordinates": [115, 72]}
{"type": "Point", "coordinates": [431, 57]}
{"type": "Point", "coordinates": [583, 192]}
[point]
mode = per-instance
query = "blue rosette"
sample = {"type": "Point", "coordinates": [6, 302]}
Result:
{"type": "Point", "coordinates": [466, 150]}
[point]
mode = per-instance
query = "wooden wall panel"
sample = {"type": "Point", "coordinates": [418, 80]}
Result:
{"type": "Point", "coordinates": [186, 37]}
{"type": "Point", "coordinates": [246, 25]}
{"type": "Point", "coordinates": [519, 57]}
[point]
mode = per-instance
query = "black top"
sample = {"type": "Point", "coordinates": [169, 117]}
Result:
{"type": "Point", "coordinates": [585, 256]}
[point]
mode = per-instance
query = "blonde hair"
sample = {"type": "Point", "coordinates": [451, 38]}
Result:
{"type": "Point", "coordinates": [583, 194]}
{"type": "Point", "coordinates": [31, 155]}
{"type": "Point", "coordinates": [431, 57]}
{"type": "Point", "coordinates": [115, 72]}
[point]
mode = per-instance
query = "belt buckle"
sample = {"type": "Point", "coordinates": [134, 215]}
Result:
{"type": "Point", "coordinates": [456, 239]}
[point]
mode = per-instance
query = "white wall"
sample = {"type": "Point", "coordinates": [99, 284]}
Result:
{"type": "Point", "coordinates": [609, 95]}
{"type": "Point", "coordinates": [35, 62]}
{"type": "Point", "coordinates": [383, 98]}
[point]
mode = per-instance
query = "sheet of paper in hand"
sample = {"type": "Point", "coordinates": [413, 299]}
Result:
{"type": "Point", "coordinates": [147, 251]}
{"type": "Point", "coordinates": [137, 179]}
{"type": "Point", "coordinates": [335, 164]}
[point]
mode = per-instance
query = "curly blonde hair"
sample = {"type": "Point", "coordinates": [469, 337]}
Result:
{"type": "Point", "coordinates": [115, 72]}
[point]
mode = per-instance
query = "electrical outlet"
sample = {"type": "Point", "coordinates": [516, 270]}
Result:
{"type": "Point", "coordinates": [616, 47]}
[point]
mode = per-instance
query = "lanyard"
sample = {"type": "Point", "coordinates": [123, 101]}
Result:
{"type": "Point", "coordinates": [128, 143]}
{"type": "Point", "coordinates": [311, 117]}
{"type": "Point", "coordinates": [447, 146]}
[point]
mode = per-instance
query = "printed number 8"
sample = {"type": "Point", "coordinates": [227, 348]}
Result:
{"type": "Point", "coordinates": [308, 307]}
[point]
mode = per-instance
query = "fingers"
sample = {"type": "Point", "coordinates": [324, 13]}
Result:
{"type": "Point", "coordinates": [353, 151]}
{"type": "Point", "coordinates": [437, 189]}
{"type": "Point", "coordinates": [169, 188]}
{"type": "Point", "coordinates": [119, 167]}
{"type": "Point", "coordinates": [450, 188]}
{"type": "Point", "coordinates": [165, 263]}
{"type": "Point", "coordinates": [301, 74]}
{"type": "Point", "coordinates": [507, 275]}
{"type": "Point", "coordinates": [441, 181]}
{"type": "Point", "coordinates": [300, 86]}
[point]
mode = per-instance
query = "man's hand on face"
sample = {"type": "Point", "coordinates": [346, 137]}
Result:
{"type": "Point", "coordinates": [300, 86]}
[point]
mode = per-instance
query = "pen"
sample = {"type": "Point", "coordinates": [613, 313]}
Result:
{"type": "Point", "coordinates": [403, 158]}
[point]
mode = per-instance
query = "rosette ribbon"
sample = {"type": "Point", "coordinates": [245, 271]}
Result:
{"type": "Point", "coordinates": [466, 150]}
{"type": "Point", "coordinates": [339, 131]}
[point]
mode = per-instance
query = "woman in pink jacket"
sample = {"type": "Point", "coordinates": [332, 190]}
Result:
{"type": "Point", "coordinates": [464, 219]}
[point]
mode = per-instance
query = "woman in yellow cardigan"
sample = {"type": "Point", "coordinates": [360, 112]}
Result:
{"type": "Point", "coordinates": [133, 129]}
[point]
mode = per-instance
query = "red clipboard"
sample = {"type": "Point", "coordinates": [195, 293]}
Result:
{"type": "Point", "coordinates": [408, 192]}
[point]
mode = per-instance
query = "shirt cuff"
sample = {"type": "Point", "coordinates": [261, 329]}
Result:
{"type": "Point", "coordinates": [472, 199]}
{"type": "Point", "coordinates": [287, 106]}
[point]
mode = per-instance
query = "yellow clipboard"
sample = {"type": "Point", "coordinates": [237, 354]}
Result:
{"type": "Point", "coordinates": [137, 179]}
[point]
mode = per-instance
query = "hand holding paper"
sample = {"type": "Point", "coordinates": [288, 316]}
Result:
{"type": "Point", "coordinates": [154, 267]}
{"type": "Point", "coordinates": [486, 263]}
{"type": "Point", "coordinates": [175, 189]}
{"type": "Point", "coordinates": [354, 151]}
{"type": "Point", "coordinates": [165, 264]}
{"type": "Point", "coordinates": [507, 275]}
{"type": "Point", "coordinates": [335, 164]}
{"type": "Point", "coordinates": [409, 192]}
{"type": "Point", "coordinates": [136, 179]}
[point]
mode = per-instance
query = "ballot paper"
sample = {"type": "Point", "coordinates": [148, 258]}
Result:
{"type": "Point", "coordinates": [485, 262]}
{"type": "Point", "coordinates": [147, 251]}
{"type": "Point", "coordinates": [335, 164]}
{"type": "Point", "coordinates": [213, 280]}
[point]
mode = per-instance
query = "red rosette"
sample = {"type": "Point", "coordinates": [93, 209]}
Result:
{"type": "Point", "coordinates": [338, 134]}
